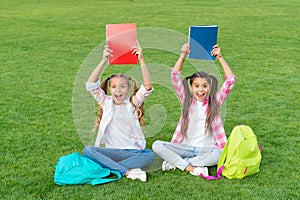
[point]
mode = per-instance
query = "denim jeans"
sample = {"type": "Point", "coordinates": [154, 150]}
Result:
{"type": "Point", "coordinates": [119, 159]}
{"type": "Point", "coordinates": [182, 155]}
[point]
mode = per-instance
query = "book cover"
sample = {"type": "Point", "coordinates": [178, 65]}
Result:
{"type": "Point", "coordinates": [201, 40]}
{"type": "Point", "coordinates": [121, 38]}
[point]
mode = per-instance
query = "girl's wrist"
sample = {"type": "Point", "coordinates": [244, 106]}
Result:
{"type": "Point", "coordinates": [104, 58]}
{"type": "Point", "coordinates": [142, 62]}
{"type": "Point", "coordinates": [183, 55]}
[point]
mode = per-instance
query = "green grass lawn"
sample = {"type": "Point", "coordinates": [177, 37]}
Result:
{"type": "Point", "coordinates": [44, 46]}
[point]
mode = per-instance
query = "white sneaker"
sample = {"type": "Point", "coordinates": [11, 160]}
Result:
{"type": "Point", "coordinates": [137, 173]}
{"type": "Point", "coordinates": [200, 170]}
{"type": "Point", "coordinates": [167, 166]}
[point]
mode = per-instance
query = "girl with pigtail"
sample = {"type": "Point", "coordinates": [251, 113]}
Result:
{"type": "Point", "coordinates": [104, 86]}
{"type": "Point", "coordinates": [199, 137]}
{"type": "Point", "coordinates": [119, 120]}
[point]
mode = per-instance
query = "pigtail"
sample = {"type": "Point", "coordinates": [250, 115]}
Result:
{"type": "Point", "coordinates": [186, 107]}
{"type": "Point", "coordinates": [140, 110]}
{"type": "Point", "coordinates": [213, 106]}
{"type": "Point", "coordinates": [103, 86]}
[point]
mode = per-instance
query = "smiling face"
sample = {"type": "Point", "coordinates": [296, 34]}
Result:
{"type": "Point", "coordinates": [119, 88]}
{"type": "Point", "coordinates": [200, 88]}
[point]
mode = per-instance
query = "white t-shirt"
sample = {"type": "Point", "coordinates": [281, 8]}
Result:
{"type": "Point", "coordinates": [196, 134]}
{"type": "Point", "coordinates": [119, 131]}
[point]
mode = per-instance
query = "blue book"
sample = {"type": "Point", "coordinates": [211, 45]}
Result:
{"type": "Point", "coordinates": [201, 40]}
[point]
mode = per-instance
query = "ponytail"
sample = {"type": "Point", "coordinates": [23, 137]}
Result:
{"type": "Point", "coordinates": [213, 107]}
{"type": "Point", "coordinates": [186, 107]}
{"type": "Point", "coordinates": [140, 110]}
{"type": "Point", "coordinates": [103, 86]}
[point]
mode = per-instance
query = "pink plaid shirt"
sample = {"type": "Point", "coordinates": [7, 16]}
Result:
{"type": "Point", "coordinates": [217, 124]}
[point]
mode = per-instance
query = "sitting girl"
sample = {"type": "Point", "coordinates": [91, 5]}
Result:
{"type": "Point", "coordinates": [119, 119]}
{"type": "Point", "coordinates": [199, 136]}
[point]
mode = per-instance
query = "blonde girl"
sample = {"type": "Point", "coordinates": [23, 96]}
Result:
{"type": "Point", "coordinates": [118, 120]}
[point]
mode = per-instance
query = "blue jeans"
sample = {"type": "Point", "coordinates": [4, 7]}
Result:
{"type": "Point", "coordinates": [119, 159]}
{"type": "Point", "coordinates": [182, 155]}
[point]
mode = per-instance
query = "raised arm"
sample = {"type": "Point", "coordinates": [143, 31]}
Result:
{"type": "Point", "coordinates": [137, 50]}
{"type": "Point", "coordinates": [185, 50]}
{"type": "Point", "coordinates": [217, 52]}
{"type": "Point", "coordinates": [96, 72]}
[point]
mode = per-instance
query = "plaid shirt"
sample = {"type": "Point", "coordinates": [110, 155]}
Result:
{"type": "Point", "coordinates": [106, 102]}
{"type": "Point", "coordinates": [217, 124]}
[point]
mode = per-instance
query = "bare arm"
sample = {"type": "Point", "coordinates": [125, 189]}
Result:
{"type": "Point", "coordinates": [94, 77]}
{"type": "Point", "coordinates": [217, 52]}
{"type": "Point", "coordinates": [145, 72]}
{"type": "Point", "coordinates": [185, 50]}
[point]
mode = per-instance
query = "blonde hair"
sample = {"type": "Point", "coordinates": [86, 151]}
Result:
{"type": "Point", "coordinates": [105, 84]}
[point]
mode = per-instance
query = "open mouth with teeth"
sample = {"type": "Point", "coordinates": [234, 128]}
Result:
{"type": "Point", "coordinates": [200, 96]}
{"type": "Point", "coordinates": [119, 97]}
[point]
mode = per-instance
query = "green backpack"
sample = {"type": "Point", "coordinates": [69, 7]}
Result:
{"type": "Point", "coordinates": [241, 155]}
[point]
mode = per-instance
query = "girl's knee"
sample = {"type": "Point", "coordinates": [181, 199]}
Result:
{"type": "Point", "coordinates": [157, 146]}
{"type": "Point", "coordinates": [87, 150]}
{"type": "Point", "coordinates": [147, 156]}
{"type": "Point", "coordinates": [151, 156]}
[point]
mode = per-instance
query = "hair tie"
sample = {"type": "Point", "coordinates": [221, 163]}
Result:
{"type": "Point", "coordinates": [129, 78]}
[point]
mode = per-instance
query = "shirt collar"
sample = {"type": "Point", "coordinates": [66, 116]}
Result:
{"type": "Point", "coordinates": [126, 101]}
{"type": "Point", "coordinates": [194, 101]}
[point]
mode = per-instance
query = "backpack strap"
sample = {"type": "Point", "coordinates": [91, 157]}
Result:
{"type": "Point", "coordinates": [107, 180]}
{"type": "Point", "coordinates": [218, 175]}
{"type": "Point", "coordinates": [223, 154]}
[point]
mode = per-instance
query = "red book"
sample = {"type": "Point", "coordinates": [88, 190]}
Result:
{"type": "Point", "coordinates": [121, 38]}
